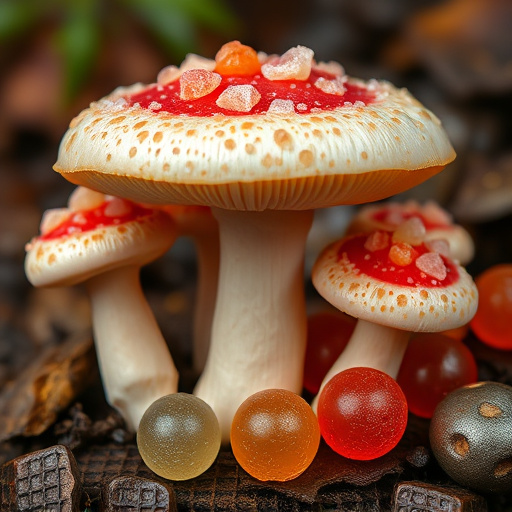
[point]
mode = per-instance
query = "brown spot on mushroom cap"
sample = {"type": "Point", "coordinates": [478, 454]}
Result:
{"type": "Point", "coordinates": [283, 139]}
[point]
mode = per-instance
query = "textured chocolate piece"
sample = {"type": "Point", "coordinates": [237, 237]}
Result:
{"type": "Point", "coordinates": [420, 496]}
{"type": "Point", "coordinates": [135, 494]}
{"type": "Point", "coordinates": [46, 480]}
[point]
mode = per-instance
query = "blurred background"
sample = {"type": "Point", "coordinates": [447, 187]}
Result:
{"type": "Point", "coordinates": [57, 56]}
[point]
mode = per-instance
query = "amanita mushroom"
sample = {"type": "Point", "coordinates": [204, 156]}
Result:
{"type": "Point", "coordinates": [395, 283]}
{"type": "Point", "coordinates": [102, 242]}
{"type": "Point", "coordinates": [198, 223]}
{"type": "Point", "coordinates": [437, 221]}
{"type": "Point", "coordinates": [263, 143]}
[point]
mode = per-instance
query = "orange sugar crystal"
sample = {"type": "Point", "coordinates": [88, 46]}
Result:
{"type": "Point", "coordinates": [235, 58]}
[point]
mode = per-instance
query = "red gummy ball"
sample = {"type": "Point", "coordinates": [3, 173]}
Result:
{"type": "Point", "coordinates": [362, 413]}
{"type": "Point", "coordinates": [328, 335]}
{"type": "Point", "coordinates": [491, 323]}
{"type": "Point", "coordinates": [433, 366]}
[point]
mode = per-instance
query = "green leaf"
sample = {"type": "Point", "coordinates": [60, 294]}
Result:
{"type": "Point", "coordinates": [78, 40]}
{"type": "Point", "coordinates": [16, 16]}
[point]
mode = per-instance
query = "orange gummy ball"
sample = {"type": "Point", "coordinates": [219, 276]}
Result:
{"type": "Point", "coordinates": [235, 58]}
{"type": "Point", "coordinates": [491, 323]}
{"type": "Point", "coordinates": [275, 435]}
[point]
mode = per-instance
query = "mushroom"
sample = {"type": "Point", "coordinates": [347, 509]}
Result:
{"type": "Point", "coordinates": [102, 242]}
{"type": "Point", "coordinates": [262, 143]}
{"type": "Point", "coordinates": [437, 221]}
{"type": "Point", "coordinates": [198, 223]}
{"type": "Point", "coordinates": [471, 436]}
{"type": "Point", "coordinates": [395, 284]}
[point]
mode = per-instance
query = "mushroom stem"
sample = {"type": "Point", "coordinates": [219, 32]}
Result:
{"type": "Point", "coordinates": [135, 363]}
{"type": "Point", "coordinates": [207, 250]}
{"type": "Point", "coordinates": [260, 309]}
{"type": "Point", "coordinates": [373, 346]}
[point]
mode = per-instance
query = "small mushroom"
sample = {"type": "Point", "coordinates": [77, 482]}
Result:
{"type": "Point", "coordinates": [394, 284]}
{"type": "Point", "coordinates": [438, 224]}
{"type": "Point", "coordinates": [102, 242]}
{"type": "Point", "coordinates": [471, 436]}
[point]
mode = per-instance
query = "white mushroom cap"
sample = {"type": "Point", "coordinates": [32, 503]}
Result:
{"type": "Point", "coordinates": [417, 307]}
{"type": "Point", "coordinates": [75, 258]}
{"type": "Point", "coordinates": [350, 154]}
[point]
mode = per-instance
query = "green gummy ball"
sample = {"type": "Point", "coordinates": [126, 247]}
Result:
{"type": "Point", "coordinates": [179, 436]}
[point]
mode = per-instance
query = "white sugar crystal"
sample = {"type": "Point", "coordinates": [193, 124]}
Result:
{"type": "Point", "coordinates": [331, 67]}
{"type": "Point", "coordinates": [335, 86]}
{"type": "Point", "coordinates": [196, 83]}
{"type": "Point", "coordinates": [83, 198]}
{"type": "Point", "coordinates": [439, 245]}
{"type": "Point", "coordinates": [154, 105]}
{"type": "Point", "coordinates": [117, 207]}
{"type": "Point", "coordinates": [302, 107]}
{"type": "Point", "coordinates": [168, 75]}
{"type": "Point", "coordinates": [432, 264]}
{"type": "Point", "coordinates": [376, 241]}
{"type": "Point", "coordinates": [295, 64]}
{"type": "Point", "coordinates": [412, 232]}
{"type": "Point", "coordinates": [435, 214]}
{"type": "Point", "coordinates": [281, 107]}
{"type": "Point", "coordinates": [359, 103]}
{"type": "Point", "coordinates": [53, 218]}
{"type": "Point", "coordinates": [79, 219]}
{"type": "Point", "coordinates": [240, 98]}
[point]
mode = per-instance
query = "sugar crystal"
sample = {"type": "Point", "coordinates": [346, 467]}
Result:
{"type": "Point", "coordinates": [412, 231]}
{"type": "Point", "coordinates": [401, 254]}
{"type": "Point", "coordinates": [335, 86]}
{"type": "Point", "coordinates": [168, 75]}
{"type": "Point", "coordinates": [439, 245]}
{"type": "Point", "coordinates": [281, 107]}
{"type": "Point", "coordinates": [435, 214]}
{"type": "Point", "coordinates": [196, 83]}
{"type": "Point", "coordinates": [376, 241]}
{"type": "Point", "coordinates": [53, 218]}
{"type": "Point", "coordinates": [331, 67]}
{"type": "Point", "coordinates": [432, 264]}
{"type": "Point", "coordinates": [117, 207]}
{"type": "Point", "coordinates": [83, 198]}
{"type": "Point", "coordinates": [295, 64]}
{"type": "Point", "coordinates": [240, 98]}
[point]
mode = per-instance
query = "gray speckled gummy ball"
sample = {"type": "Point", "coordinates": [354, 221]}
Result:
{"type": "Point", "coordinates": [471, 436]}
{"type": "Point", "coordinates": [179, 436]}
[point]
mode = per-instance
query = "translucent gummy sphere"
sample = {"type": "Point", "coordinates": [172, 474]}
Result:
{"type": "Point", "coordinates": [179, 436]}
{"type": "Point", "coordinates": [275, 435]}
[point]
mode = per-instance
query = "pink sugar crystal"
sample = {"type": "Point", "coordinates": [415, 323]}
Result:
{"type": "Point", "coordinates": [435, 214]}
{"type": "Point", "coordinates": [52, 219]}
{"type": "Point", "coordinates": [439, 245]}
{"type": "Point", "coordinates": [376, 241]}
{"type": "Point", "coordinates": [331, 67]}
{"type": "Point", "coordinates": [168, 75]}
{"type": "Point", "coordinates": [117, 208]}
{"type": "Point", "coordinates": [281, 107]}
{"type": "Point", "coordinates": [240, 98]}
{"type": "Point", "coordinates": [83, 198]}
{"type": "Point", "coordinates": [335, 86]}
{"type": "Point", "coordinates": [432, 264]}
{"type": "Point", "coordinates": [295, 64]}
{"type": "Point", "coordinates": [196, 83]}
{"type": "Point", "coordinates": [412, 231]}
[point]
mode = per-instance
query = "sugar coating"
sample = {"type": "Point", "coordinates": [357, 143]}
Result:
{"type": "Point", "coordinates": [334, 86]}
{"type": "Point", "coordinates": [411, 231]}
{"type": "Point", "coordinates": [279, 106]}
{"type": "Point", "coordinates": [240, 98]}
{"type": "Point", "coordinates": [196, 83]}
{"type": "Point", "coordinates": [295, 64]}
{"type": "Point", "coordinates": [432, 264]}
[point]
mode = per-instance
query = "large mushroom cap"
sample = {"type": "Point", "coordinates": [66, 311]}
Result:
{"type": "Point", "coordinates": [430, 293]}
{"type": "Point", "coordinates": [311, 137]}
